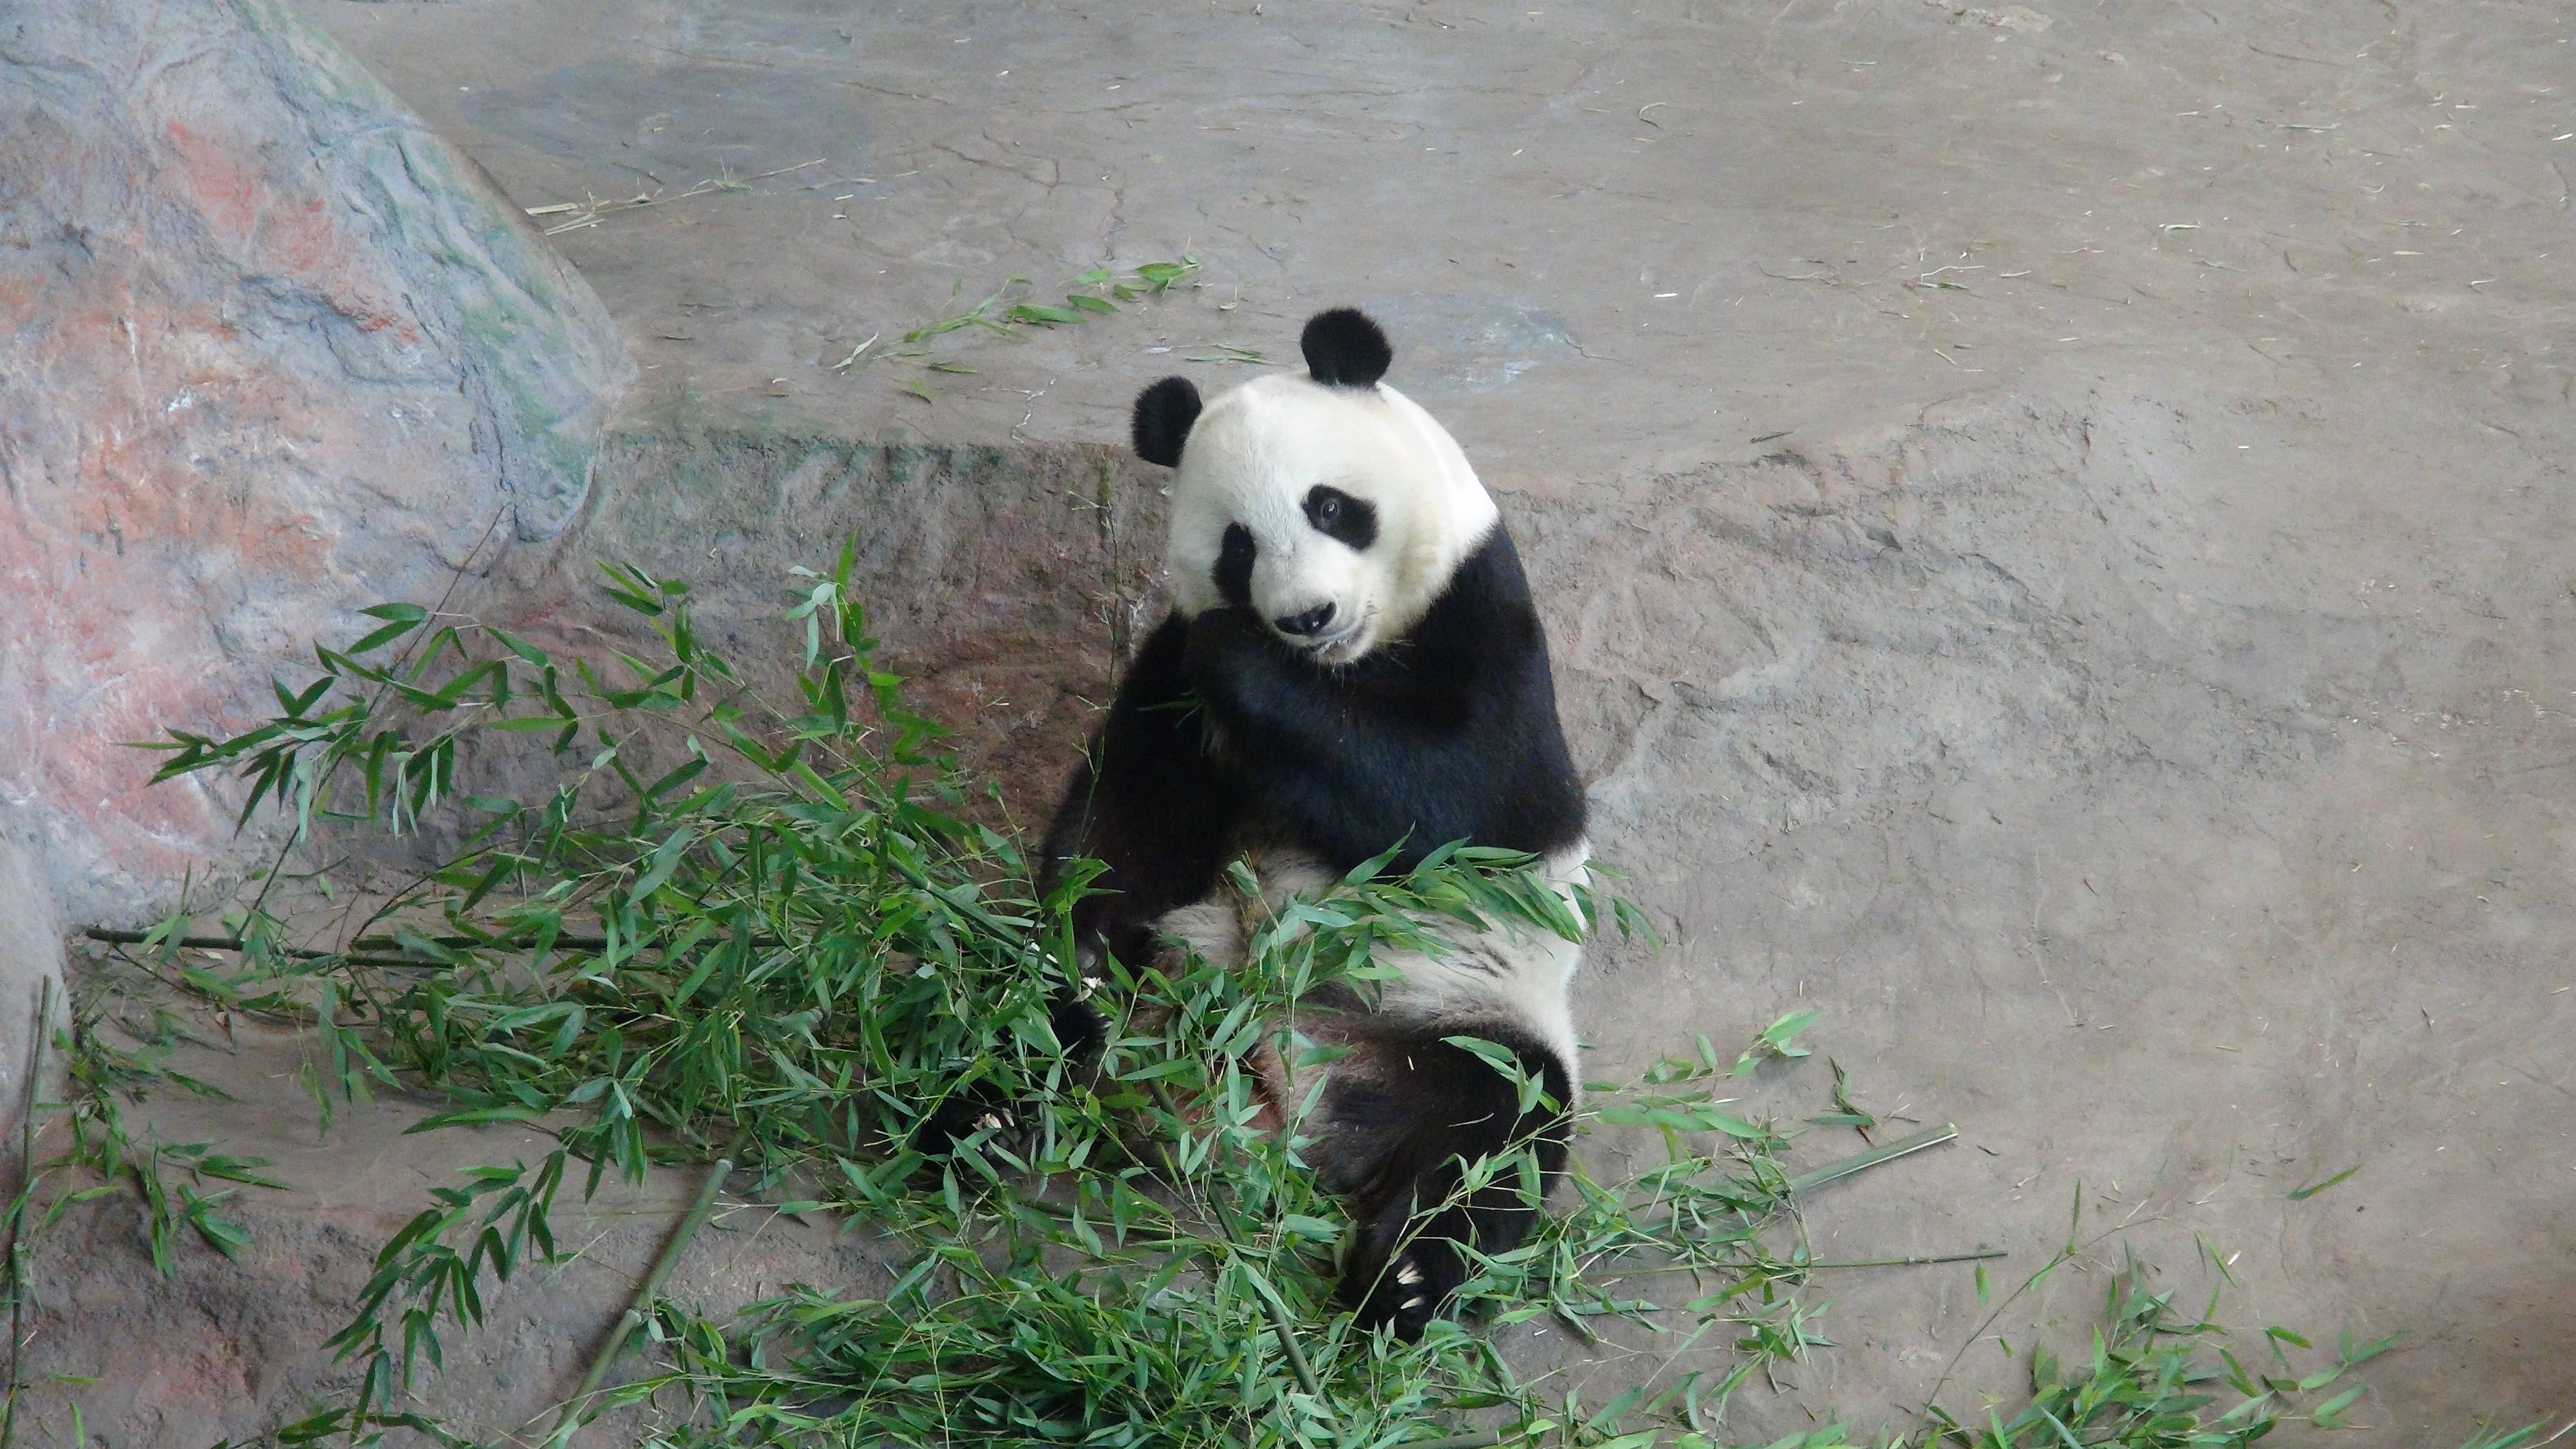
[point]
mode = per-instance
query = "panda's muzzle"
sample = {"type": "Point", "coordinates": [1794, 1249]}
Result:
{"type": "Point", "coordinates": [1308, 624]}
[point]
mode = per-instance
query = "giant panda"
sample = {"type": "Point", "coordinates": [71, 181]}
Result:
{"type": "Point", "coordinates": [1352, 664]}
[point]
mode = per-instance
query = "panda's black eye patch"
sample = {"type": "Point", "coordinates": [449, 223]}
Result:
{"type": "Point", "coordinates": [1336, 514]}
{"type": "Point", "coordinates": [1233, 572]}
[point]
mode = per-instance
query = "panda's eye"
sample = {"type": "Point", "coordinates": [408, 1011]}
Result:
{"type": "Point", "coordinates": [1338, 515]}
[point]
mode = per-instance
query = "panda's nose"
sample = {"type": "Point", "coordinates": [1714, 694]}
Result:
{"type": "Point", "coordinates": [1307, 624]}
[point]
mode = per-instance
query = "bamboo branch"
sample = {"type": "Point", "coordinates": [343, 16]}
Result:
{"type": "Point", "coordinates": [18, 1211]}
{"type": "Point", "coordinates": [645, 1296]}
{"type": "Point", "coordinates": [1835, 1171]}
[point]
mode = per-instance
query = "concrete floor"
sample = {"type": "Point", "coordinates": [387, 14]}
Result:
{"type": "Point", "coordinates": [2055, 528]}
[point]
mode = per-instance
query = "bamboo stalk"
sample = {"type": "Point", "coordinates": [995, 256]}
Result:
{"type": "Point", "coordinates": [363, 943]}
{"type": "Point", "coordinates": [18, 1213]}
{"type": "Point", "coordinates": [1979, 1256]}
{"type": "Point", "coordinates": [1835, 1171]}
{"type": "Point", "coordinates": [645, 1295]}
{"type": "Point", "coordinates": [1288, 1343]}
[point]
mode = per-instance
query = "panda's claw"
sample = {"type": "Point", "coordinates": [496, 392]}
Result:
{"type": "Point", "coordinates": [1409, 1288]}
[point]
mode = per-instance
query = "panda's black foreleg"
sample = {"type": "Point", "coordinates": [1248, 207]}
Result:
{"type": "Point", "coordinates": [1149, 802]}
{"type": "Point", "coordinates": [1153, 807]}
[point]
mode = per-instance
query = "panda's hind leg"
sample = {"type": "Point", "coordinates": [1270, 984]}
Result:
{"type": "Point", "coordinates": [1404, 1116]}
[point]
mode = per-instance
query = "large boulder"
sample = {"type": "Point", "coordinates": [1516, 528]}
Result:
{"type": "Point", "coordinates": [269, 349]}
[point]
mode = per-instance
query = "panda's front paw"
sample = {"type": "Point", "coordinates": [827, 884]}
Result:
{"type": "Point", "coordinates": [969, 1112]}
{"type": "Point", "coordinates": [1080, 1028]}
{"type": "Point", "coordinates": [1405, 1289]}
{"type": "Point", "coordinates": [1220, 640]}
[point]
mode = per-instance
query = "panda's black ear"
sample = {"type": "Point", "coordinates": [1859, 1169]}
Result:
{"type": "Point", "coordinates": [1345, 349]}
{"type": "Point", "coordinates": [1164, 415]}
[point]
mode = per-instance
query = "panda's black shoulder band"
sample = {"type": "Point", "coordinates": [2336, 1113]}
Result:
{"type": "Point", "coordinates": [1344, 348]}
{"type": "Point", "coordinates": [1165, 413]}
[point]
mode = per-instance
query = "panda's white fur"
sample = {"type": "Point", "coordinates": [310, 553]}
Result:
{"type": "Point", "coordinates": [1509, 971]}
{"type": "Point", "coordinates": [1254, 455]}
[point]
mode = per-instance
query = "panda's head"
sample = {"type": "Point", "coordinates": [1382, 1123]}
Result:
{"type": "Point", "coordinates": [1328, 505]}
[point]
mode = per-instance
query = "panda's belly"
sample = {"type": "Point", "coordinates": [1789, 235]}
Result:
{"type": "Point", "coordinates": [1510, 973]}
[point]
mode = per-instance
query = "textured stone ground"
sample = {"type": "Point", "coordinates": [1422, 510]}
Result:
{"type": "Point", "coordinates": [2055, 530]}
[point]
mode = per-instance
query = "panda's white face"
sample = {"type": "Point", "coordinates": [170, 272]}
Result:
{"type": "Point", "coordinates": [1336, 514]}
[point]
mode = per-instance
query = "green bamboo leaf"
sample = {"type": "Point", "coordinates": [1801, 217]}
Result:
{"type": "Point", "coordinates": [2302, 1194]}
{"type": "Point", "coordinates": [473, 1116]}
{"type": "Point", "coordinates": [2329, 1415]}
{"type": "Point", "coordinates": [666, 859]}
{"type": "Point", "coordinates": [377, 639]}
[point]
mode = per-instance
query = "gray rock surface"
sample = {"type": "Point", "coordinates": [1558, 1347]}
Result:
{"type": "Point", "coordinates": [269, 349]}
{"type": "Point", "coordinates": [1004, 582]}
{"type": "Point", "coordinates": [273, 349]}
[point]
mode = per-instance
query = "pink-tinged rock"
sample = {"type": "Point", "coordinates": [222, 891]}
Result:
{"type": "Point", "coordinates": [269, 350]}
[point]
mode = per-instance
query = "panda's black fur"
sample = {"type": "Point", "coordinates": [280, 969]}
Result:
{"type": "Point", "coordinates": [1223, 736]}
{"type": "Point", "coordinates": [1450, 734]}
